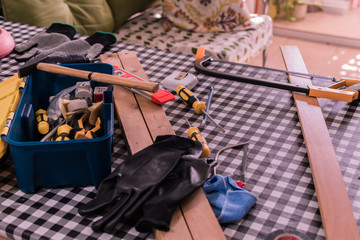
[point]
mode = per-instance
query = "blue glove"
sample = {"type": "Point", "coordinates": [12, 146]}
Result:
{"type": "Point", "coordinates": [229, 202]}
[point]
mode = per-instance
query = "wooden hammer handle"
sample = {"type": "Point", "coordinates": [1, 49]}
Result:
{"type": "Point", "coordinates": [99, 77]}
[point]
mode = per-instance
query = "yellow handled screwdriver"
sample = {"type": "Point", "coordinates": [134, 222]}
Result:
{"type": "Point", "coordinates": [194, 134]}
{"type": "Point", "coordinates": [189, 98]}
{"type": "Point", "coordinates": [63, 132]}
{"type": "Point", "coordinates": [42, 121]}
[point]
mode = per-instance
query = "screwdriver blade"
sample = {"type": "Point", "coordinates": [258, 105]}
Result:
{"type": "Point", "coordinates": [213, 120]}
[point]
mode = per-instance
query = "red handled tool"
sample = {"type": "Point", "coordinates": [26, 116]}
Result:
{"type": "Point", "coordinates": [159, 97]}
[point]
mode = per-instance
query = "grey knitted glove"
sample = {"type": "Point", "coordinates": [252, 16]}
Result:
{"type": "Point", "coordinates": [89, 47]}
{"type": "Point", "coordinates": [56, 34]}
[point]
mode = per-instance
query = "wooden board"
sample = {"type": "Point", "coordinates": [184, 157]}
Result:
{"type": "Point", "coordinates": [153, 114]}
{"type": "Point", "coordinates": [142, 119]}
{"type": "Point", "coordinates": [335, 208]}
{"type": "Point", "coordinates": [128, 112]}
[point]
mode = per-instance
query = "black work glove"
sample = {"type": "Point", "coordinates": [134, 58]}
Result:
{"type": "Point", "coordinates": [56, 34]}
{"type": "Point", "coordinates": [130, 184]}
{"type": "Point", "coordinates": [188, 175]}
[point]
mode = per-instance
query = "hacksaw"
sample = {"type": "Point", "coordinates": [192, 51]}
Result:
{"type": "Point", "coordinates": [342, 90]}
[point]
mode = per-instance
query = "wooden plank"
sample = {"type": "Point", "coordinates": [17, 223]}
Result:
{"type": "Point", "coordinates": [132, 121]}
{"type": "Point", "coordinates": [200, 219]}
{"type": "Point", "coordinates": [128, 112]}
{"type": "Point", "coordinates": [154, 115]}
{"type": "Point", "coordinates": [335, 207]}
{"type": "Point", "coordinates": [196, 209]}
{"type": "Point", "coordinates": [196, 220]}
{"type": "Point", "coordinates": [178, 228]}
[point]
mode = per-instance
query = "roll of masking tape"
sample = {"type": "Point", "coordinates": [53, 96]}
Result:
{"type": "Point", "coordinates": [287, 234]}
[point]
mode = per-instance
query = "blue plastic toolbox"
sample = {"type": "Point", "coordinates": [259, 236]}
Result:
{"type": "Point", "coordinates": [52, 164]}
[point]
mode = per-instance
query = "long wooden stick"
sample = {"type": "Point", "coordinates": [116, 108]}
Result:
{"type": "Point", "coordinates": [195, 218]}
{"type": "Point", "coordinates": [137, 133]}
{"type": "Point", "coordinates": [128, 112]}
{"type": "Point", "coordinates": [99, 77]}
{"type": "Point", "coordinates": [335, 208]}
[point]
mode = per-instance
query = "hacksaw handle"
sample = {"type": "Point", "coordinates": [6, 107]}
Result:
{"type": "Point", "coordinates": [99, 77]}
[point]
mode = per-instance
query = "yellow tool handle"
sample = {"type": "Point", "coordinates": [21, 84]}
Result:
{"type": "Point", "coordinates": [194, 134]}
{"type": "Point", "coordinates": [99, 77]}
{"type": "Point", "coordinates": [188, 97]}
{"type": "Point", "coordinates": [42, 121]}
{"type": "Point", "coordinates": [63, 133]}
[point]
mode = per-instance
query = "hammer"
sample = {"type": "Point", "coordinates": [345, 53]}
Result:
{"type": "Point", "coordinates": [39, 64]}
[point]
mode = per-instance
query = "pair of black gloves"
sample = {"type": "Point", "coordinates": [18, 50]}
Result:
{"type": "Point", "coordinates": [58, 40]}
{"type": "Point", "coordinates": [146, 188]}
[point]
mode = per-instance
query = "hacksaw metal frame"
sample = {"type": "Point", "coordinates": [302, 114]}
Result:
{"type": "Point", "coordinates": [202, 63]}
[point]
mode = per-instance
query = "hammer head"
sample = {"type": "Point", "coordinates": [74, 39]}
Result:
{"type": "Point", "coordinates": [30, 66]}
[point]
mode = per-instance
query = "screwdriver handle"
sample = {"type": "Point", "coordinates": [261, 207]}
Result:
{"type": "Point", "coordinates": [194, 134]}
{"type": "Point", "coordinates": [42, 121]}
{"type": "Point", "coordinates": [188, 97]}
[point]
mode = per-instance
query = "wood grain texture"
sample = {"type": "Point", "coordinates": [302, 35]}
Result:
{"type": "Point", "coordinates": [196, 210]}
{"type": "Point", "coordinates": [201, 221]}
{"type": "Point", "coordinates": [99, 77]}
{"type": "Point", "coordinates": [128, 112]}
{"type": "Point", "coordinates": [178, 228]}
{"type": "Point", "coordinates": [196, 220]}
{"type": "Point", "coordinates": [137, 135]}
{"type": "Point", "coordinates": [335, 207]}
{"type": "Point", "coordinates": [154, 115]}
